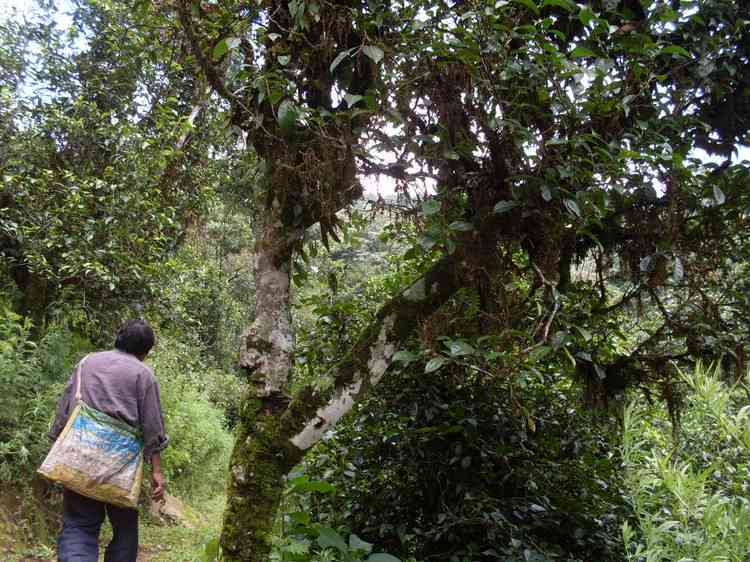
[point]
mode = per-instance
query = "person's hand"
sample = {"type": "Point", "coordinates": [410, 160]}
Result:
{"type": "Point", "coordinates": [158, 485]}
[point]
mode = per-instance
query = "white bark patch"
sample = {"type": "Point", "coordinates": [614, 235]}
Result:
{"type": "Point", "coordinates": [381, 351]}
{"type": "Point", "coordinates": [267, 345]}
{"type": "Point", "coordinates": [283, 339]}
{"type": "Point", "coordinates": [417, 292]}
{"type": "Point", "coordinates": [274, 280]}
{"type": "Point", "coordinates": [239, 474]}
{"type": "Point", "coordinates": [327, 416]}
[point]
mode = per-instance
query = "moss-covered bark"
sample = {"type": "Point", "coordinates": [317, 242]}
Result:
{"type": "Point", "coordinates": [312, 410]}
{"type": "Point", "coordinates": [274, 434]}
{"type": "Point", "coordinates": [262, 457]}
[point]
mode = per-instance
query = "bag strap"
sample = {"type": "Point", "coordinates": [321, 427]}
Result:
{"type": "Point", "coordinates": [79, 375]}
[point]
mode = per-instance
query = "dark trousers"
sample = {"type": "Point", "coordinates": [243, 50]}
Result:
{"type": "Point", "coordinates": [82, 521]}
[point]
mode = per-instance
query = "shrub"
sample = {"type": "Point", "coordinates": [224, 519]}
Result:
{"type": "Point", "coordinates": [688, 489]}
{"type": "Point", "coordinates": [435, 468]}
{"type": "Point", "coordinates": [32, 377]}
{"type": "Point", "coordinates": [195, 461]}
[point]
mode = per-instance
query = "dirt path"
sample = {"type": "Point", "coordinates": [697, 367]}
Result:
{"type": "Point", "coordinates": [144, 555]}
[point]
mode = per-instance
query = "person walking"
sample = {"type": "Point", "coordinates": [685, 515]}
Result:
{"type": "Point", "coordinates": [118, 383]}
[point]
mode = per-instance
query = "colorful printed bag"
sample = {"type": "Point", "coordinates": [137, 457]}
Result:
{"type": "Point", "coordinates": [96, 455]}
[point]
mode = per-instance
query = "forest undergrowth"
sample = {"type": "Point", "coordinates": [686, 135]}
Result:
{"type": "Point", "coordinates": [194, 397]}
{"type": "Point", "coordinates": [528, 343]}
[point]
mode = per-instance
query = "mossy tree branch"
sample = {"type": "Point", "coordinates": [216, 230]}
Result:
{"type": "Point", "coordinates": [274, 434]}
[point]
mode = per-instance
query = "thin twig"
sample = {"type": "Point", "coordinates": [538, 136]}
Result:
{"type": "Point", "coordinates": [555, 309]}
{"type": "Point", "coordinates": [213, 76]}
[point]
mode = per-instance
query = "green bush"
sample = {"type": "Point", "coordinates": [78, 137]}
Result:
{"type": "Point", "coordinates": [688, 489]}
{"type": "Point", "coordinates": [435, 468]}
{"type": "Point", "coordinates": [16, 372]}
{"type": "Point", "coordinates": [32, 377]}
{"type": "Point", "coordinates": [198, 454]}
{"type": "Point", "coordinates": [15, 366]}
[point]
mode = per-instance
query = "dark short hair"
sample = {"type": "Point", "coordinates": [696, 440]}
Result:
{"type": "Point", "coordinates": [135, 337]}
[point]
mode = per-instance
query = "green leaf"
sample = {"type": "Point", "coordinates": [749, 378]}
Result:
{"type": "Point", "coordinates": [570, 357]}
{"type": "Point", "coordinates": [584, 333]}
{"type": "Point", "coordinates": [719, 196]}
{"type": "Point", "coordinates": [337, 61]}
{"type": "Point", "coordinates": [301, 517]}
{"type": "Point", "coordinates": [225, 45]}
{"type": "Point", "coordinates": [461, 226]}
{"type": "Point", "coordinates": [297, 547]}
{"type": "Point", "coordinates": [586, 16]}
{"type": "Point", "coordinates": [317, 486]}
{"type": "Point", "coordinates": [427, 242]}
{"type": "Point", "coordinates": [572, 207]}
{"type": "Point", "coordinates": [675, 50]}
{"type": "Point", "coordinates": [219, 49]}
{"type": "Point", "coordinates": [375, 53]}
{"type": "Point", "coordinates": [434, 364]}
{"type": "Point", "coordinates": [287, 115]}
{"type": "Point", "coordinates": [505, 206]}
{"type": "Point", "coordinates": [430, 207]}
{"type": "Point", "coordinates": [539, 353]}
{"type": "Point", "coordinates": [382, 557]}
{"type": "Point", "coordinates": [211, 551]}
{"type": "Point", "coordinates": [355, 543]}
{"type": "Point", "coordinates": [530, 4]}
{"type": "Point", "coordinates": [294, 7]}
{"type": "Point", "coordinates": [352, 99]}
{"type": "Point", "coordinates": [404, 356]}
{"type": "Point", "coordinates": [283, 59]}
{"type": "Point", "coordinates": [458, 348]}
{"type": "Point", "coordinates": [275, 95]}
{"type": "Point", "coordinates": [327, 537]}
{"type": "Point", "coordinates": [580, 52]}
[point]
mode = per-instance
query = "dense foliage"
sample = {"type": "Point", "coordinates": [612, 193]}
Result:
{"type": "Point", "coordinates": [688, 484]}
{"type": "Point", "coordinates": [568, 229]}
{"type": "Point", "coordinates": [102, 168]}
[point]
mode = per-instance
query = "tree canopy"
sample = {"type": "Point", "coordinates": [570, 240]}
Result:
{"type": "Point", "coordinates": [102, 167]}
{"type": "Point", "coordinates": [554, 134]}
{"type": "Point", "coordinates": [585, 217]}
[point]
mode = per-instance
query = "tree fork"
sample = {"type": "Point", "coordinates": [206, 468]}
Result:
{"type": "Point", "coordinates": [274, 435]}
{"type": "Point", "coordinates": [259, 459]}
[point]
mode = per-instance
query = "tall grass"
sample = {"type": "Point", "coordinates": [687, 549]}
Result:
{"type": "Point", "coordinates": [689, 489]}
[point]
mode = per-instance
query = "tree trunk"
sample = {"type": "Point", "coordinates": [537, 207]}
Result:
{"type": "Point", "coordinates": [258, 462]}
{"type": "Point", "coordinates": [273, 432]}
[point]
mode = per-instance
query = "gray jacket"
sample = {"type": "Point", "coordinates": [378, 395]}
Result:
{"type": "Point", "coordinates": [118, 384]}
